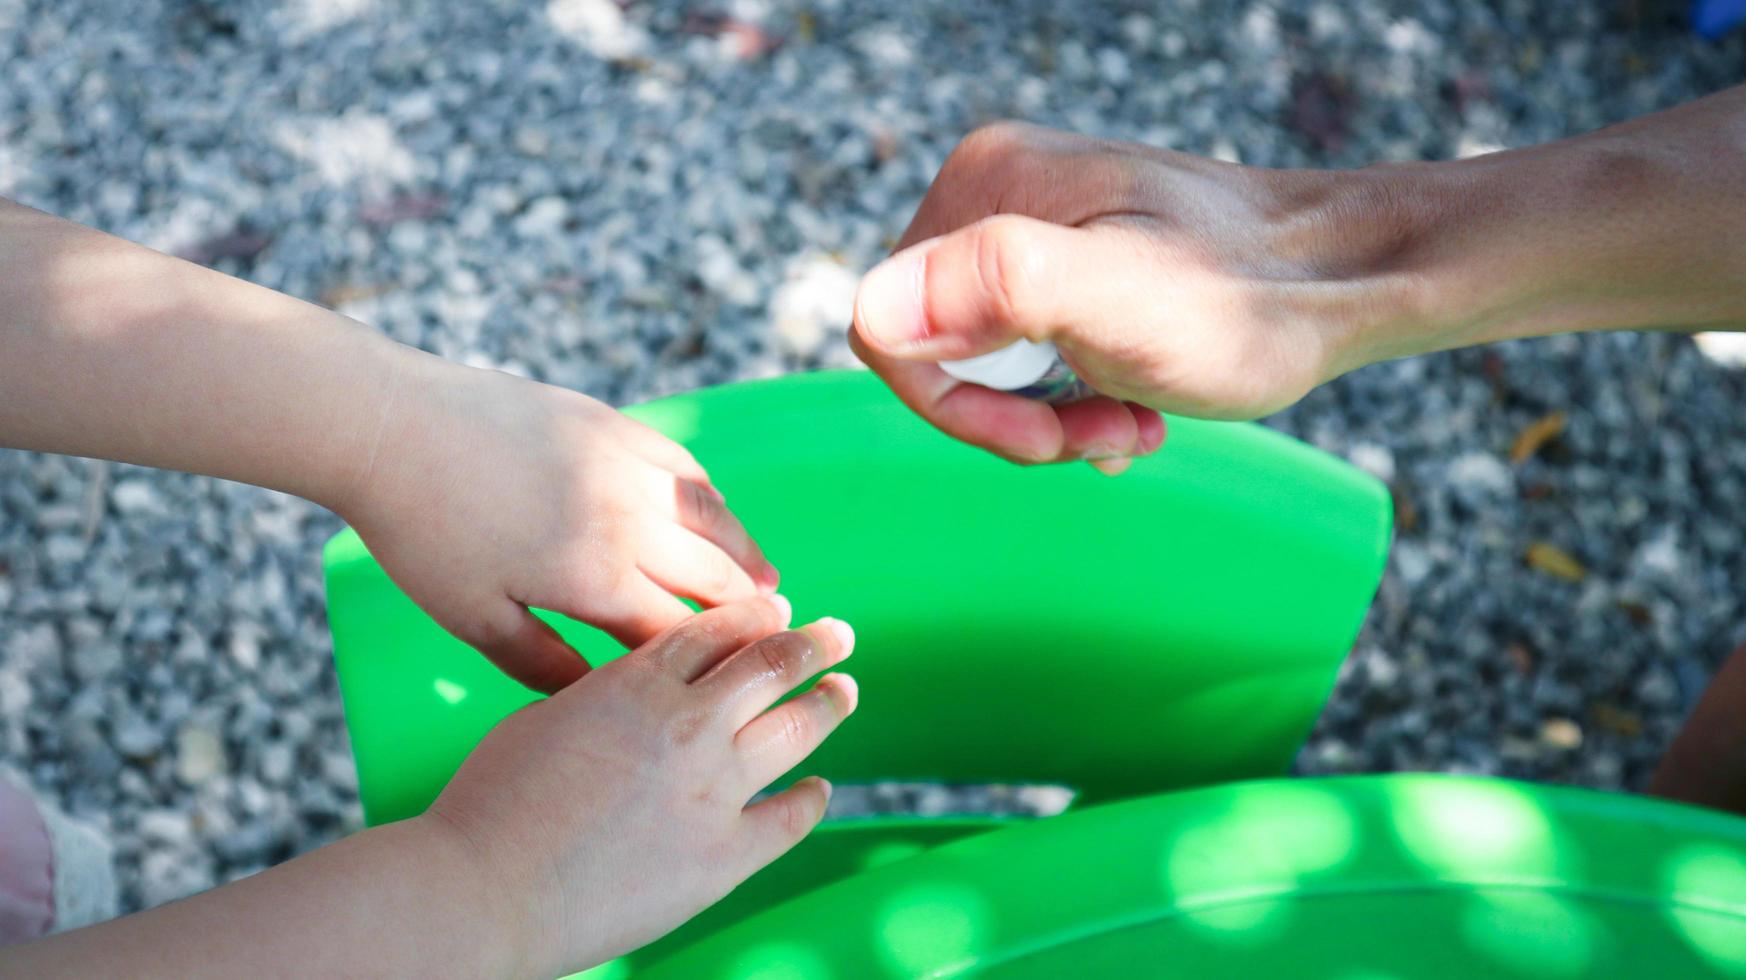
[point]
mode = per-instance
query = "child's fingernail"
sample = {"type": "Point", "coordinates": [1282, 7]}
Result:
{"type": "Point", "coordinates": [889, 302]}
{"type": "Point", "coordinates": [844, 634]}
{"type": "Point", "coordinates": [784, 608]}
{"type": "Point", "coordinates": [769, 577]}
{"type": "Point", "coordinates": [842, 691]}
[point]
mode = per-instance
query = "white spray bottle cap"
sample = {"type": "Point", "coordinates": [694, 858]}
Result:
{"type": "Point", "coordinates": [1018, 365]}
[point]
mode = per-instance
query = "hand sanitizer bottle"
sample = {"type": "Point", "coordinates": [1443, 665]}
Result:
{"type": "Point", "coordinates": [1024, 368]}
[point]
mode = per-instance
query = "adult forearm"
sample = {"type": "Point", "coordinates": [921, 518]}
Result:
{"type": "Point", "coordinates": [112, 350]}
{"type": "Point", "coordinates": [1641, 226]}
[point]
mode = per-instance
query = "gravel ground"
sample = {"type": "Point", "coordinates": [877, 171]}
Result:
{"type": "Point", "coordinates": [638, 200]}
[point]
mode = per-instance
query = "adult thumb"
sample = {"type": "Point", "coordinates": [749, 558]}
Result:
{"type": "Point", "coordinates": [979, 288]}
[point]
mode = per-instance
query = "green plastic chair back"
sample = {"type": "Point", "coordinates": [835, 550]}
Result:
{"type": "Point", "coordinates": [1176, 626]}
{"type": "Point", "coordinates": [1404, 876]}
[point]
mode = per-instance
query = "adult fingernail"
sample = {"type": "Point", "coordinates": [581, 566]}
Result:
{"type": "Point", "coordinates": [844, 634]}
{"type": "Point", "coordinates": [769, 577]}
{"type": "Point", "coordinates": [825, 785]}
{"type": "Point", "coordinates": [888, 305]}
{"type": "Point", "coordinates": [784, 608]}
{"type": "Point", "coordinates": [1151, 432]}
{"type": "Point", "coordinates": [1111, 466]}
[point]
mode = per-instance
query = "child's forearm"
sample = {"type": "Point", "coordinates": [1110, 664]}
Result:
{"type": "Point", "coordinates": [1638, 226]}
{"type": "Point", "coordinates": [109, 349]}
{"type": "Point", "coordinates": [404, 899]}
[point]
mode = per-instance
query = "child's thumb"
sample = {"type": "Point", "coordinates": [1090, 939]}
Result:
{"type": "Point", "coordinates": [978, 289]}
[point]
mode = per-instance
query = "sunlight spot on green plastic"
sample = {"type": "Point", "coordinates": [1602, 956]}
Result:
{"type": "Point", "coordinates": [1249, 923]}
{"type": "Point", "coordinates": [1469, 828]}
{"type": "Point", "coordinates": [1710, 875]}
{"type": "Point", "coordinates": [1533, 933]}
{"type": "Point", "coordinates": [449, 691]}
{"type": "Point", "coordinates": [780, 961]}
{"type": "Point", "coordinates": [931, 927]}
{"type": "Point", "coordinates": [1262, 843]}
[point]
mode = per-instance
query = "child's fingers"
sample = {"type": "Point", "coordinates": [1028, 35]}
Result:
{"type": "Point", "coordinates": [686, 565]}
{"type": "Point", "coordinates": [777, 740]}
{"type": "Point", "coordinates": [691, 648]}
{"type": "Point", "coordinates": [753, 679]}
{"type": "Point", "coordinates": [636, 611]}
{"type": "Point", "coordinates": [699, 510]}
{"type": "Point", "coordinates": [664, 452]}
{"type": "Point", "coordinates": [780, 822]}
{"type": "Point", "coordinates": [529, 650]}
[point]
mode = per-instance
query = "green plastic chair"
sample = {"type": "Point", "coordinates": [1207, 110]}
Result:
{"type": "Point", "coordinates": [1178, 626]}
{"type": "Point", "coordinates": [1350, 878]}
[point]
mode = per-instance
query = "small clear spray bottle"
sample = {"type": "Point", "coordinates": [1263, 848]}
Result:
{"type": "Point", "coordinates": [1025, 368]}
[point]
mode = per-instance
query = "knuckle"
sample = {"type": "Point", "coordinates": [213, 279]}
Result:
{"type": "Point", "coordinates": [601, 564]}
{"type": "Point", "coordinates": [1006, 262]}
{"type": "Point", "coordinates": [691, 635]}
{"type": "Point", "coordinates": [683, 728]}
{"type": "Point", "coordinates": [798, 728]}
{"type": "Point", "coordinates": [696, 508]}
{"type": "Point", "coordinates": [990, 144]}
{"type": "Point", "coordinates": [784, 654]}
{"type": "Point", "coordinates": [709, 632]}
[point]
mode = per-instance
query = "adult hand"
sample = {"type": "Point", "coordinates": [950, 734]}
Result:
{"type": "Point", "coordinates": [1211, 289]}
{"type": "Point", "coordinates": [1167, 282]}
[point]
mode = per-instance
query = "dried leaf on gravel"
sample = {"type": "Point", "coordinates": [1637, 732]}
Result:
{"type": "Point", "coordinates": [1406, 515]}
{"type": "Point", "coordinates": [1555, 561]}
{"type": "Point", "coordinates": [1637, 612]}
{"type": "Point", "coordinates": [242, 243]}
{"type": "Point", "coordinates": [1537, 434]}
{"type": "Point", "coordinates": [335, 297]}
{"type": "Point", "coordinates": [1617, 720]}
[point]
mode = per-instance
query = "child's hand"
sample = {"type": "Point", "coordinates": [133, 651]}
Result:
{"type": "Point", "coordinates": [582, 827]}
{"type": "Point", "coordinates": [610, 813]}
{"type": "Point", "coordinates": [489, 493]}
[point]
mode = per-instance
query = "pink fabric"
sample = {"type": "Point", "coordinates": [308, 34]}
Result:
{"type": "Point", "coordinates": [27, 893]}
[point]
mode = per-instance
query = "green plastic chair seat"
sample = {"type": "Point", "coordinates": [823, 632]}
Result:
{"type": "Point", "coordinates": [1404, 876]}
{"type": "Point", "coordinates": [1177, 626]}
